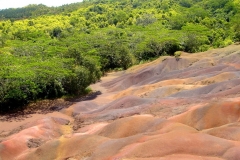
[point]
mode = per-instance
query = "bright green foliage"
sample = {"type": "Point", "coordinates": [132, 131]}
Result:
{"type": "Point", "coordinates": [177, 54]}
{"type": "Point", "coordinates": [48, 52]}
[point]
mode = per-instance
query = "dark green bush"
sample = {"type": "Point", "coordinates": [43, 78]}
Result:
{"type": "Point", "coordinates": [154, 48]}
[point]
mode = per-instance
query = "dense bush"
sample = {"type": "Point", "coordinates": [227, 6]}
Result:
{"type": "Point", "coordinates": [40, 79]}
{"type": "Point", "coordinates": [153, 48]}
{"type": "Point", "coordinates": [114, 56]}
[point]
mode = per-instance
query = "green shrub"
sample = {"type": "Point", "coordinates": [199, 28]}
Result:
{"type": "Point", "coordinates": [177, 54]}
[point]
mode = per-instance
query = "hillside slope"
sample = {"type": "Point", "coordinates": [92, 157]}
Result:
{"type": "Point", "coordinates": [186, 108]}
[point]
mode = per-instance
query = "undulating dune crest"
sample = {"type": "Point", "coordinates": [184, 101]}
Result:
{"type": "Point", "coordinates": [168, 109]}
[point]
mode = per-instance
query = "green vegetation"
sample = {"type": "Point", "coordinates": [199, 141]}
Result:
{"type": "Point", "coordinates": [48, 52]}
{"type": "Point", "coordinates": [177, 54]}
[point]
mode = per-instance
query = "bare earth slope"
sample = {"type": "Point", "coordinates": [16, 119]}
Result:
{"type": "Point", "coordinates": [169, 109]}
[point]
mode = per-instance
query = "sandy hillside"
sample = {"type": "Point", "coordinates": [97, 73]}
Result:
{"type": "Point", "coordinates": [169, 109]}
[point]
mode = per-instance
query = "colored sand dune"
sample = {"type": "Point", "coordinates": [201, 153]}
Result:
{"type": "Point", "coordinates": [169, 109]}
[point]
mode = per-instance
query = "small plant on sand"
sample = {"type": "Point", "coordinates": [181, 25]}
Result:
{"type": "Point", "coordinates": [87, 90]}
{"type": "Point", "coordinates": [177, 54]}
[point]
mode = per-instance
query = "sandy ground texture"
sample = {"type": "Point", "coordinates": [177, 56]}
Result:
{"type": "Point", "coordinates": [168, 109]}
